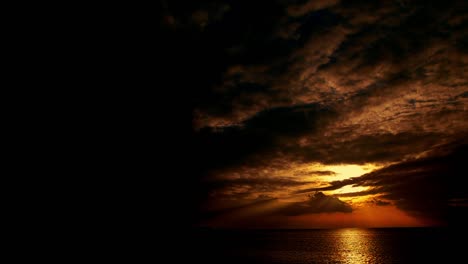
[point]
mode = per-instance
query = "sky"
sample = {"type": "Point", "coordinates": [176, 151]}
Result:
{"type": "Point", "coordinates": [321, 114]}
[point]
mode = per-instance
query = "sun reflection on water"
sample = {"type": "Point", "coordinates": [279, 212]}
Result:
{"type": "Point", "coordinates": [355, 246]}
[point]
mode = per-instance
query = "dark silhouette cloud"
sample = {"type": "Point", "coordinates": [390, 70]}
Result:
{"type": "Point", "coordinates": [322, 173]}
{"type": "Point", "coordinates": [317, 203]}
{"type": "Point", "coordinates": [380, 202]}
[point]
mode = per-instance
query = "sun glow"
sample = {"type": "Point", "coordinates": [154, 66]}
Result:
{"type": "Point", "coordinates": [346, 171]}
{"type": "Point", "coordinates": [350, 189]}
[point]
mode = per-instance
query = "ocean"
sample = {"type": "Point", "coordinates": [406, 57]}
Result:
{"type": "Point", "coordinates": [351, 245]}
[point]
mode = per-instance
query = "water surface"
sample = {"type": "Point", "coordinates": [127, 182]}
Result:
{"type": "Point", "coordinates": [388, 245]}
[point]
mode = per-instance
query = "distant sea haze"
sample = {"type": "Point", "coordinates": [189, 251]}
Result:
{"type": "Point", "coordinates": [352, 245]}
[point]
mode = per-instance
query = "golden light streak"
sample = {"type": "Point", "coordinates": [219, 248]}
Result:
{"type": "Point", "coordinates": [346, 171]}
{"type": "Point", "coordinates": [354, 245]}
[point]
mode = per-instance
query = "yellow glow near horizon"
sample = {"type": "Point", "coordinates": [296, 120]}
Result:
{"type": "Point", "coordinates": [342, 171]}
{"type": "Point", "coordinates": [350, 189]}
{"type": "Point", "coordinates": [346, 171]}
{"type": "Point", "coordinates": [312, 172]}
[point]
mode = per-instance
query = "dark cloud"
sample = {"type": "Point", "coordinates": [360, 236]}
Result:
{"type": "Point", "coordinates": [256, 184]}
{"type": "Point", "coordinates": [323, 173]}
{"type": "Point", "coordinates": [380, 202]}
{"type": "Point", "coordinates": [317, 203]}
{"type": "Point", "coordinates": [342, 50]}
{"type": "Point", "coordinates": [310, 6]}
{"type": "Point", "coordinates": [367, 148]}
{"type": "Point", "coordinates": [279, 181]}
{"type": "Point", "coordinates": [259, 136]}
{"type": "Point", "coordinates": [264, 197]}
{"type": "Point", "coordinates": [284, 133]}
